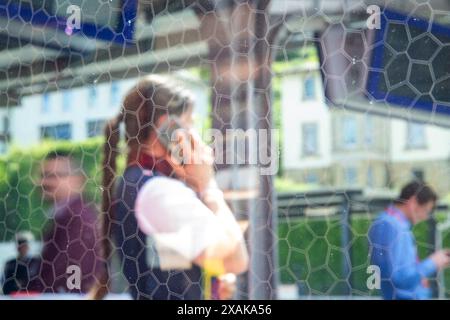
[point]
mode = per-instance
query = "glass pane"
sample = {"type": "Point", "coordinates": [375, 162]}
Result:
{"type": "Point", "coordinates": [202, 149]}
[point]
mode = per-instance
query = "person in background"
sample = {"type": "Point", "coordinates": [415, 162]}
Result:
{"type": "Point", "coordinates": [19, 271]}
{"type": "Point", "coordinates": [72, 239]}
{"type": "Point", "coordinates": [393, 247]}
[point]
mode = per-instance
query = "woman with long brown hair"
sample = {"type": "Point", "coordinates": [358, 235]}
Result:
{"type": "Point", "coordinates": [166, 218]}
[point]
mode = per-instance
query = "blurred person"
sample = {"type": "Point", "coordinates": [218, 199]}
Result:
{"type": "Point", "coordinates": [167, 217]}
{"type": "Point", "coordinates": [19, 271]}
{"type": "Point", "coordinates": [72, 238]}
{"type": "Point", "coordinates": [393, 246]}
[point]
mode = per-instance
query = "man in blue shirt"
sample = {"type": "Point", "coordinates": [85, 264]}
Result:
{"type": "Point", "coordinates": [393, 247]}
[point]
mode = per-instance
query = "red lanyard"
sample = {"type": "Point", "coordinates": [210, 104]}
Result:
{"type": "Point", "coordinates": [393, 212]}
{"type": "Point", "coordinates": [159, 165]}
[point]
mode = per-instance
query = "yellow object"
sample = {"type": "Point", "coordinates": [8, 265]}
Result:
{"type": "Point", "coordinates": [212, 268]}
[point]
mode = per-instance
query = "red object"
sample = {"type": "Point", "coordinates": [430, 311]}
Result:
{"type": "Point", "coordinates": [153, 164]}
{"type": "Point", "coordinates": [22, 294]}
{"type": "Point", "coordinates": [396, 213]}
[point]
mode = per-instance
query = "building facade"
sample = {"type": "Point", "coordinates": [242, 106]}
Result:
{"type": "Point", "coordinates": [78, 114]}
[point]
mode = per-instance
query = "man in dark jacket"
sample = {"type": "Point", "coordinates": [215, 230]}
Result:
{"type": "Point", "coordinates": [19, 271]}
{"type": "Point", "coordinates": [70, 255]}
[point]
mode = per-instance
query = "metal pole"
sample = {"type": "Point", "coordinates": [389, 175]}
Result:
{"type": "Point", "coordinates": [345, 242]}
{"type": "Point", "coordinates": [239, 39]}
{"type": "Point", "coordinates": [263, 219]}
{"type": "Point", "coordinates": [432, 243]}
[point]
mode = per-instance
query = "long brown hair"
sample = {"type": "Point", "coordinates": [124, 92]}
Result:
{"type": "Point", "coordinates": [143, 105]}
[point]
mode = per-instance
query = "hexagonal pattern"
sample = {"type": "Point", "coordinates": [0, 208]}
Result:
{"type": "Point", "coordinates": [318, 242]}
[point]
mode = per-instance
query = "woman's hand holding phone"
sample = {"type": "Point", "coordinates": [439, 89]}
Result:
{"type": "Point", "coordinates": [196, 168]}
{"type": "Point", "coordinates": [199, 170]}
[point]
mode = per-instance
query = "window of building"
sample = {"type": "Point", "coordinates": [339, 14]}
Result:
{"type": "Point", "coordinates": [95, 128]}
{"type": "Point", "coordinates": [67, 100]}
{"type": "Point", "coordinates": [309, 88]}
{"type": "Point", "coordinates": [5, 124]}
{"type": "Point", "coordinates": [350, 176]}
{"type": "Point", "coordinates": [415, 136]}
{"type": "Point", "coordinates": [57, 132]}
{"type": "Point", "coordinates": [92, 96]}
{"type": "Point", "coordinates": [418, 174]}
{"type": "Point", "coordinates": [114, 94]}
{"type": "Point", "coordinates": [370, 177]}
{"type": "Point", "coordinates": [310, 139]}
{"type": "Point", "coordinates": [369, 132]}
{"type": "Point", "coordinates": [312, 178]}
{"type": "Point", "coordinates": [45, 107]}
{"type": "Point", "coordinates": [4, 134]}
{"type": "Point", "coordinates": [349, 132]}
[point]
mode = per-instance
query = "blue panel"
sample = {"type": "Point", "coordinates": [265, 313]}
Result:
{"type": "Point", "coordinates": [121, 33]}
{"type": "Point", "coordinates": [378, 64]}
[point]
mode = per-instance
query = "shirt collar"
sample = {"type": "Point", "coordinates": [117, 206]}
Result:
{"type": "Point", "coordinates": [150, 163]}
{"type": "Point", "coordinates": [395, 212]}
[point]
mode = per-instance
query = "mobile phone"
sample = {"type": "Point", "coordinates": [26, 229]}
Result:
{"type": "Point", "coordinates": [166, 137]}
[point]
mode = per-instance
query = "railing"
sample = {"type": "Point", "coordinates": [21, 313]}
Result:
{"type": "Point", "coordinates": [336, 203]}
{"type": "Point", "coordinates": [345, 204]}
